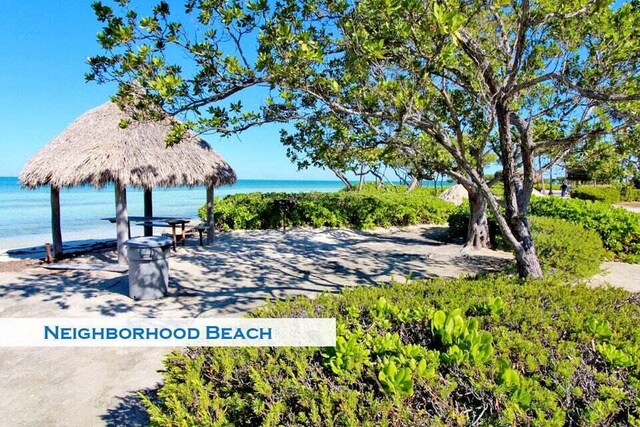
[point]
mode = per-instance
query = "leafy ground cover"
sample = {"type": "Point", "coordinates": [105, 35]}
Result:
{"type": "Point", "coordinates": [490, 351]}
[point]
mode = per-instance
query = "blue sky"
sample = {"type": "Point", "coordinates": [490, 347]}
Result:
{"type": "Point", "coordinates": [44, 46]}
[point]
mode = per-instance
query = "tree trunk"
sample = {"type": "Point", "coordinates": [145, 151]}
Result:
{"type": "Point", "coordinates": [517, 192]}
{"type": "Point", "coordinates": [343, 178]}
{"type": "Point", "coordinates": [413, 184]}
{"type": "Point", "coordinates": [379, 179]}
{"type": "Point", "coordinates": [361, 181]}
{"type": "Point", "coordinates": [148, 210]}
{"type": "Point", "coordinates": [527, 261]}
{"type": "Point", "coordinates": [478, 229]}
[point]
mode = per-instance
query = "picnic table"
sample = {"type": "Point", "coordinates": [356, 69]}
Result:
{"type": "Point", "coordinates": [158, 221]}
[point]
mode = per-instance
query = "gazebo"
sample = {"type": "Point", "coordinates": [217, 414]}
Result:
{"type": "Point", "coordinates": [106, 145]}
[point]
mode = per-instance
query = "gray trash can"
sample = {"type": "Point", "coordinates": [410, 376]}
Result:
{"type": "Point", "coordinates": [148, 267]}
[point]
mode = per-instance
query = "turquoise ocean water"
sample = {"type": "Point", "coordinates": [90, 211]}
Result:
{"type": "Point", "coordinates": [25, 215]}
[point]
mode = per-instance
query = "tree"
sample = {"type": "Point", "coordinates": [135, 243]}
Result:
{"type": "Point", "coordinates": [628, 144]}
{"type": "Point", "coordinates": [535, 76]}
{"type": "Point", "coordinates": [145, 54]}
{"type": "Point", "coordinates": [531, 77]}
{"type": "Point", "coordinates": [332, 138]}
{"type": "Point", "coordinates": [608, 160]}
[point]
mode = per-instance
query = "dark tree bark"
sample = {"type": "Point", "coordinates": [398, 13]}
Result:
{"type": "Point", "coordinates": [517, 193]}
{"type": "Point", "coordinates": [343, 178]}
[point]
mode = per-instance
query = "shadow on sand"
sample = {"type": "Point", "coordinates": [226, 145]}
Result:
{"type": "Point", "coordinates": [129, 411]}
{"type": "Point", "coordinates": [241, 271]}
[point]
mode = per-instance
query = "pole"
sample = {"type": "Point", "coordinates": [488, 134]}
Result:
{"type": "Point", "coordinates": [210, 218]}
{"type": "Point", "coordinates": [122, 220]}
{"type": "Point", "coordinates": [56, 232]}
{"type": "Point", "coordinates": [148, 210]}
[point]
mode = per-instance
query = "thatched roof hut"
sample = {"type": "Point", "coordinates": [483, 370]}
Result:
{"type": "Point", "coordinates": [456, 195]}
{"type": "Point", "coordinates": [106, 145]}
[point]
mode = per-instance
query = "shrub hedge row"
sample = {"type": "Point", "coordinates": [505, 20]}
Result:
{"type": "Point", "coordinates": [606, 193]}
{"type": "Point", "coordinates": [630, 194]}
{"type": "Point", "coordinates": [341, 209]}
{"type": "Point", "coordinates": [493, 351]}
{"type": "Point", "coordinates": [618, 228]}
{"type": "Point", "coordinates": [600, 193]}
{"type": "Point", "coordinates": [563, 248]}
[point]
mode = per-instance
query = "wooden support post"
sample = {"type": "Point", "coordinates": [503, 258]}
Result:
{"type": "Point", "coordinates": [173, 233]}
{"type": "Point", "coordinates": [47, 248]}
{"type": "Point", "coordinates": [56, 232]}
{"type": "Point", "coordinates": [148, 210]}
{"type": "Point", "coordinates": [210, 218]}
{"type": "Point", "coordinates": [122, 221]}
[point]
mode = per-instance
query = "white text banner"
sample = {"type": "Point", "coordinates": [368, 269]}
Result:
{"type": "Point", "coordinates": [144, 332]}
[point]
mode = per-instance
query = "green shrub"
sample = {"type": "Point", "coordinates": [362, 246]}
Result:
{"type": "Point", "coordinates": [562, 247]}
{"type": "Point", "coordinates": [342, 209]}
{"type": "Point", "coordinates": [630, 194]}
{"type": "Point", "coordinates": [607, 193]}
{"type": "Point", "coordinates": [555, 187]}
{"type": "Point", "coordinates": [568, 248]}
{"type": "Point", "coordinates": [459, 221]}
{"type": "Point", "coordinates": [599, 193]}
{"type": "Point", "coordinates": [493, 351]}
{"type": "Point", "coordinates": [618, 228]}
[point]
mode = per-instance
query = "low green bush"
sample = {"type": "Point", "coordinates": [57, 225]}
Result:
{"type": "Point", "coordinates": [630, 194]}
{"type": "Point", "coordinates": [493, 351]}
{"type": "Point", "coordinates": [599, 193]}
{"type": "Point", "coordinates": [555, 187]}
{"type": "Point", "coordinates": [458, 221]}
{"type": "Point", "coordinates": [562, 247]}
{"type": "Point", "coordinates": [341, 209]}
{"type": "Point", "coordinates": [607, 193]}
{"type": "Point", "coordinates": [618, 228]}
{"type": "Point", "coordinates": [568, 248]}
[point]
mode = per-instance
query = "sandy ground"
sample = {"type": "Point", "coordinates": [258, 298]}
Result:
{"type": "Point", "coordinates": [630, 206]}
{"type": "Point", "coordinates": [619, 274]}
{"type": "Point", "coordinates": [92, 386]}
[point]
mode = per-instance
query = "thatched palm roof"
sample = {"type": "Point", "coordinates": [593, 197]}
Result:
{"type": "Point", "coordinates": [456, 195]}
{"type": "Point", "coordinates": [96, 150]}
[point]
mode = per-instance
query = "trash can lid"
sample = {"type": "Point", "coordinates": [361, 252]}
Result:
{"type": "Point", "coordinates": [149, 242]}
